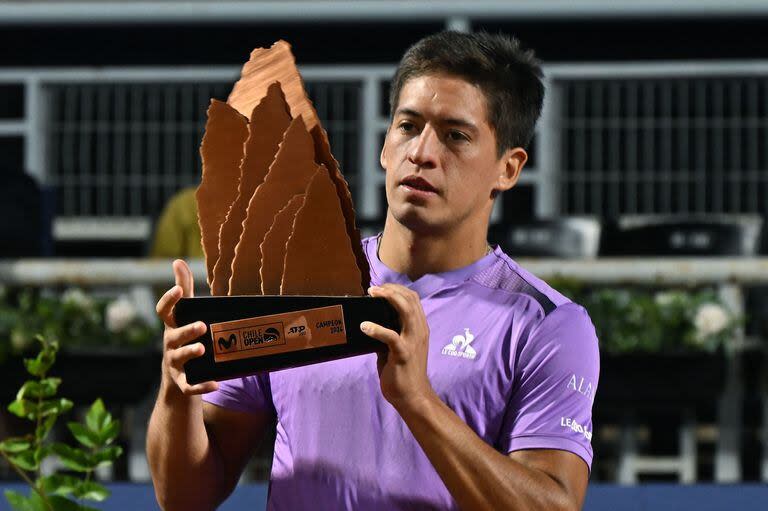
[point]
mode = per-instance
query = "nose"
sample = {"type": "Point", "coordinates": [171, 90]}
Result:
{"type": "Point", "coordinates": [424, 148]}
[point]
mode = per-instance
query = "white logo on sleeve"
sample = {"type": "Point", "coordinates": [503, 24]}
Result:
{"type": "Point", "coordinates": [460, 346]}
{"type": "Point", "coordinates": [574, 426]}
{"type": "Point", "coordinates": [582, 386]}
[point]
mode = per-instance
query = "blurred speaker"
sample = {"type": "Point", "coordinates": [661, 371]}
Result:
{"type": "Point", "coordinates": [675, 235]}
{"type": "Point", "coordinates": [568, 237]}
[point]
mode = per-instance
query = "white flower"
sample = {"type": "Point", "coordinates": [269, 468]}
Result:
{"type": "Point", "coordinates": [19, 340]}
{"type": "Point", "coordinates": [710, 319]}
{"type": "Point", "coordinates": [76, 297]}
{"type": "Point", "coordinates": [665, 299]}
{"type": "Point", "coordinates": [120, 314]}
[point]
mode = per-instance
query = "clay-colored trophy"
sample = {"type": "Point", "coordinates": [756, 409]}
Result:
{"type": "Point", "coordinates": [283, 256]}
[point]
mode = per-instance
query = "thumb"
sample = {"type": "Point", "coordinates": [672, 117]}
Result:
{"type": "Point", "coordinates": [183, 276]}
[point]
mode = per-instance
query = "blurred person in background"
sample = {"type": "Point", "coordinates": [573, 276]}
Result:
{"type": "Point", "coordinates": [177, 233]}
{"type": "Point", "coordinates": [483, 400]}
{"type": "Point", "coordinates": [24, 226]}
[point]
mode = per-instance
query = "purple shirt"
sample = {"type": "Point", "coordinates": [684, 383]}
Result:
{"type": "Point", "coordinates": [516, 360]}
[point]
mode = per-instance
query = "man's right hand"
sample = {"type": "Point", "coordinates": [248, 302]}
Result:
{"type": "Point", "coordinates": [175, 353]}
{"type": "Point", "coordinates": [191, 443]}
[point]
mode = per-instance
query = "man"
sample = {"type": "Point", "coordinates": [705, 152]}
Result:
{"type": "Point", "coordinates": [481, 401]}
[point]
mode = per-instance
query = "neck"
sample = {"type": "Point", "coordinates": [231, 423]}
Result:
{"type": "Point", "coordinates": [416, 254]}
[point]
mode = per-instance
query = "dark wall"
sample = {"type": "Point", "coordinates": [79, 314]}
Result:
{"type": "Point", "coordinates": [563, 40]}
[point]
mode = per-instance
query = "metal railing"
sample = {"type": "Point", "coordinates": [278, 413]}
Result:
{"type": "Point", "coordinates": [613, 138]}
{"type": "Point", "coordinates": [650, 139]}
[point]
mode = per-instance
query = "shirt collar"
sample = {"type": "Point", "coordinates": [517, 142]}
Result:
{"type": "Point", "coordinates": [429, 283]}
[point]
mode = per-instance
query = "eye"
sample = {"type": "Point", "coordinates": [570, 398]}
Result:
{"type": "Point", "coordinates": [457, 136]}
{"type": "Point", "coordinates": [406, 127]}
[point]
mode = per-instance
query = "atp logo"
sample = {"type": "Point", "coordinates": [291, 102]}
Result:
{"type": "Point", "coordinates": [460, 346]}
{"type": "Point", "coordinates": [227, 344]}
{"type": "Point", "coordinates": [297, 330]}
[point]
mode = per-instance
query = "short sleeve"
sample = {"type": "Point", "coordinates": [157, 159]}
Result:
{"type": "Point", "coordinates": [249, 394]}
{"type": "Point", "coordinates": [556, 375]}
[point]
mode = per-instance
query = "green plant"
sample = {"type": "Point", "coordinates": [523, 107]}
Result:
{"type": "Point", "coordinates": [37, 401]}
{"type": "Point", "coordinates": [633, 319]}
{"type": "Point", "coordinates": [74, 318]}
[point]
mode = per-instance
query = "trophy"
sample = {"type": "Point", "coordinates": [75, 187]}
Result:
{"type": "Point", "coordinates": [283, 257]}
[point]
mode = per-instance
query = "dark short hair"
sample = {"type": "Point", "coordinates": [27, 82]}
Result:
{"type": "Point", "coordinates": [509, 76]}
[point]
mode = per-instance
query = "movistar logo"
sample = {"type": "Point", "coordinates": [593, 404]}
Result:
{"type": "Point", "coordinates": [227, 344]}
{"type": "Point", "coordinates": [460, 346]}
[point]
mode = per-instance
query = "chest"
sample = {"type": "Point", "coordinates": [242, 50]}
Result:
{"type": "Point", "coordinates": [469, 362]}
{"type": "Point", "coordinates": [468, 365]}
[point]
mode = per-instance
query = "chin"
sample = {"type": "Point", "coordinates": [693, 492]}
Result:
{"type": "Point", "coordinates": [418, 220]}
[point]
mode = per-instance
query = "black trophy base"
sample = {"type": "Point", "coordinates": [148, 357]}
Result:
{"type": "Point", "coordinates": [261, 354]}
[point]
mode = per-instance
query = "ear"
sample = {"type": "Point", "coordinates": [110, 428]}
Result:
{"type": "Point", "coordinates": [383, 155]}
{"type": "Point", "coordinates": [510, 165]}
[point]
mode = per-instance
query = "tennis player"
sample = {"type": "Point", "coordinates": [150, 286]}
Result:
{"type": "Point", "coordinates": [482, 400]}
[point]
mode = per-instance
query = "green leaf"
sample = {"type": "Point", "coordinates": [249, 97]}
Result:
{"type": "Point", "coordinates": [23, 408]}
{"type": "Point", "coordinates": [108, 455]}
{"type": "Point", "coordinates": [83, 435]}
{"type": "Point", "coordinates": [24, 460]}
{"type": "Point", "coordinates": [39, 453]}
{"type": "Point", "coordinates": [73, 459]}
{"type": "Point", "coordinates": [15, 444]}
{"type": "Point", "coordinates": [97, 417]}
{"type": "Point", "coordinates": [40, 365]}
{"type": "Point", "coordinates": [91, 490]}
{"type": "Point", "coordinates": [59, 503]}
{"type": "Point", "coordinates": [109, 433]}
{"type": "Point", "coordinates": [44, 388]}
{"type": "Point", "coordinates": [41, 432]}
{"type": "Point", "coordinates": [55, 406]}
{"type": "Point", "coordinates": [37, 501]}
{"type": "Point", "coordinates": [60, 484]}
{"type": "Point", "coordinates": [18, 501]}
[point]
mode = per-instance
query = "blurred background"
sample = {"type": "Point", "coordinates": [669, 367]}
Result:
{"type": "Point", "coordinates": [644, 199]}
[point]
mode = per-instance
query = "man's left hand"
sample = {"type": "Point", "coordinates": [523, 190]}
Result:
{"type": "Point", "coordinates": [403, 367]}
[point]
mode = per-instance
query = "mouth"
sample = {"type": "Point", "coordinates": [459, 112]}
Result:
{"type": "Point", "coordinates": [418, 184]}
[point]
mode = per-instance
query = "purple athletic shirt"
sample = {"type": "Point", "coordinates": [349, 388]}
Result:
{"type": "Point", "coordinates": [515, 359]}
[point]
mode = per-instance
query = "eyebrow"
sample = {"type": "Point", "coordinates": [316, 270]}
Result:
{"type": "Point", "coordinates": [450, 120]}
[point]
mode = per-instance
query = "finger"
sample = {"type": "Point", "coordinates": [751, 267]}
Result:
{"type": "Point", "coordinates": [177, 357]}
{"type": "Point", "coordinates": [389, 337]}
{"type": "Point", "coordinates": [412, 302]}
{"type": "Point", "coordinates": [204, 388]}
{"type": "Point", "coordinates": [393, 295]}
{"type": "Point", "coordinates": [410, 296]}
{"type": "Point", "coordinates": [403, 306]}
{"type": "Point", "coordinates": [198, 388]}
{"type": "Point", "coordinates": [183, 276]}
{"type": "Point", "coordinates": [165, 305]}
{"type": "Point", "coordinates": [176, 337]}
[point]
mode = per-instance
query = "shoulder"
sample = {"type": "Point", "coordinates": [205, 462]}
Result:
{"type": "Point", "coordinates": [557, 321]}
{"type": "Point", "coordinates": [505, 277]}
